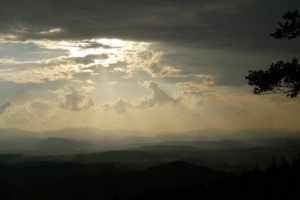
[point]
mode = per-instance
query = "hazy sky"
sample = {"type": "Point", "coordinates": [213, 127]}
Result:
{"type": "Point", "coordinates": [159, 65]}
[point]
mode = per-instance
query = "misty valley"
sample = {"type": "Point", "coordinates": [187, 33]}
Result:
{"type": "Point", "coordinates": [87, 163]}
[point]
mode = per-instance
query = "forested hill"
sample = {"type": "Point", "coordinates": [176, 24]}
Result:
{"type": "Point", "coordinates": [176, 180]}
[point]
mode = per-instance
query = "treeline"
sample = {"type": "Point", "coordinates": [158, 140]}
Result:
{"type": "Point", "coordinates": [281, 180]}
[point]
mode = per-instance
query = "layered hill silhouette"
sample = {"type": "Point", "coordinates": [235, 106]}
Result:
{"type": "Point", "coordinates": [20, 141]}
{"type": "Point", "coordinates": [89, 145]}
{"type": "Point", "coordinates": [88, 163]}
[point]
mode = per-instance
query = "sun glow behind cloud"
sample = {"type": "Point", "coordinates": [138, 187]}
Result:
{"type": "Point", "coordinates": [82, 56]}
{"type": "Point", "coordinates": [114, 83]}
{"type": "Point", "coordinates": [165, 65]}
{"type": "Point", "coordinates": [115, 50]}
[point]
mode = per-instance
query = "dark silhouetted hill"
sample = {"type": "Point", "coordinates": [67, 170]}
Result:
{"type": "Point", "coordinates": [94, 181]}
{"type": "Point", "coordinates": [179, 172]}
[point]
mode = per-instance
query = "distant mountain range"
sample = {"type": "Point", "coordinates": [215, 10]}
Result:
{"type": "Point", "coordinates": [92, 134]}
{"type": "Point", "coordinates": [121, 162]}
{"type": "Point", "coordinates": [87, 140]}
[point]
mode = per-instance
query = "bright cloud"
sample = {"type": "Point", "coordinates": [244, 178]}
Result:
{"type": "Point", "coordinates": [158, 96]}
{"type": "Point", "coordinates": [74, 99]}
{"type": "Point", "coordinates": [119, 106]}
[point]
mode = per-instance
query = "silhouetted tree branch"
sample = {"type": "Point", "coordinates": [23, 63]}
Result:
{"type": "Point", "coordinates": [291, 28]}
{"type": "Point", "coordinates": [281, 77]}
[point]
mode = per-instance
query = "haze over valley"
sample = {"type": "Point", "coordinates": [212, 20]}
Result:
{"type": "Point", "coordinates": [219, 149]}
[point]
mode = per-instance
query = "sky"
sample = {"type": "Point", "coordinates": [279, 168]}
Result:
{"type": "Point", "coordinates": [159, 65]}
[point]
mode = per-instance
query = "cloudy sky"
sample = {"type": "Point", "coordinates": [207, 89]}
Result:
{"type": "Point", "coordinates": [159, 65]}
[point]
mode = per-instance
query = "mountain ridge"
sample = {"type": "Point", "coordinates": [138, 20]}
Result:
{"type": "Point", "coordinates": [200, 134]}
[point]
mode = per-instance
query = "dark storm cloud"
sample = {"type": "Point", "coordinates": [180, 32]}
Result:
{"type": "Point", "coordinates": [227, 67]}
{"type": "Point", "coordinates": [216, 23]}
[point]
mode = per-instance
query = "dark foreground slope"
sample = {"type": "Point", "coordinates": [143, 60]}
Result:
{"type": "Point", "coordinates": [176, 180]}
{"type": "Point", "coordinates": [94, 181]}
{"type": "Point", "coordinates": [179, 172]}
